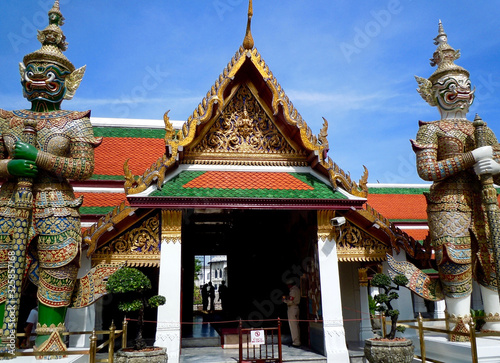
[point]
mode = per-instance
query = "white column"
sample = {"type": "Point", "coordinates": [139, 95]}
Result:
{"type": "Point", "coordinates": [365, 331]}
{"type": "Point", "coordinates": [419, 304]}
{"type": "Point", "coordinates": [168, 330]}
{"type": "Point", "coordinates": [440, 307]}
{"type": "Point", "coordinates": [331, 302]}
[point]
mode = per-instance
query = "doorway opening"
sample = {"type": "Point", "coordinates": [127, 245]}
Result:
{"type": "Point", "coordinates": [210, 282]}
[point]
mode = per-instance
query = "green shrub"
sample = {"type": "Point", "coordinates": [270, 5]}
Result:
{"type": "Point", "coordinates": [383, 300]}
{"type": "Point", "coordinates": [130, 286]}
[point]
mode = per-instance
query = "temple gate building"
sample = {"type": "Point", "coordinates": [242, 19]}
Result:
{"type": "Point", "coordinates": [244, 177]}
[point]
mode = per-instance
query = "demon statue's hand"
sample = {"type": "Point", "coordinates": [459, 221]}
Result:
{"type": "Point", "coordinates": [484, 152]}
{"type": "Point", "coordinates": [25, 151]}
{"type": "Point", "coordinates": [26, 168]}
{"type": "Point", "coordinates": [487, 166]}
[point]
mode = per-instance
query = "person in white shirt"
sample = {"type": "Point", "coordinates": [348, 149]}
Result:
{"type": "Point", "coordinates": [293, 301]}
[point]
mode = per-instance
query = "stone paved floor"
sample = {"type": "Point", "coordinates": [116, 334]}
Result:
{"type": "Point", "coordinates": [219, 355]}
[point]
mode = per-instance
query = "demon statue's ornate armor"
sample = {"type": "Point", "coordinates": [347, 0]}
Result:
{"type": "Point", "coordinates": [40, 150]}
{"type": "Point", "coordinates": [447, 154]}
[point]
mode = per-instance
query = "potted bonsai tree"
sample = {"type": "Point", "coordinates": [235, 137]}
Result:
{"type": "Point", "coordinates": [390, 348]}
{"type": "Point", "coordinates": [131, 287]}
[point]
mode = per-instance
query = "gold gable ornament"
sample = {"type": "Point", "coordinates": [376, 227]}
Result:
{"type": "Point", "coordinates": [139, 246]}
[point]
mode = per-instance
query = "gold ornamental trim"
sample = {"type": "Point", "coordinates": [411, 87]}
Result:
{"type": "Point", "coordinates": [354, 244]}
{"type": "Point", "coordinates": [492, 317]}
{"type": "Point", "coordinates": [49, 329]}
{"type": "Point", "coordinates": [131, 261]}
{"type": "Point", "coordinates": [325, 229]}
{"type": "Point", "coordinates": [138, 247]}
{"type": "Point", "coordinates": [106, 223]}
{"type": "Point", "coordinates": [171, 225]}
{"type": "Point", "coordinates": [244, 130]}
{"type": "Point", "coordinates": [363, 276]}
{"type": "Point", "coordinates": [361, 254]}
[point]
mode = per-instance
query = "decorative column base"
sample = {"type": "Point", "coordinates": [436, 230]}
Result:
{"type": "Point", "coordinates": [53, 343]}
{"type": "Point", "coordinates": [461, 326]}
{"type": "Point", "coordinates": [492, 323]}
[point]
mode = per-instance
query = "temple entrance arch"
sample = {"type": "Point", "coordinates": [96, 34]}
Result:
{"type": "Point", "coordinates": [264, 249]}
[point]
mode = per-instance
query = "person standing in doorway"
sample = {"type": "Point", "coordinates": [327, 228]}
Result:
{"type": "Point", "coordinates": [211, 295]}
{"type": "Point", "coordinates": [204, 296]}
{"type": "Point", "coordinates": [223, 295]}
{"type": "Point", "coordinates": [293, 301]}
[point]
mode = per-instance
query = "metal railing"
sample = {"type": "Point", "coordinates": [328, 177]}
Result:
{"type": "Point", "coordinates": [113, 333]}
{"type": "Point", "coordinates": [268, 351]}
{"type": "Point", "coordinates": [472, 335]}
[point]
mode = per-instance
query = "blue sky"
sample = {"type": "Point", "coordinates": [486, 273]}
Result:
{"type": "Point", "coordinates": [352, 62]}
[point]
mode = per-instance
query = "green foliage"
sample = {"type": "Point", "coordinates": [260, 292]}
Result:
{"type": "Point", "coordinates": [196, 295]}
{"type": "Point", "coordinates": [400, 280]}
{"type": "Point", "coordinates": [128, 279]}
{"type": "Point", "coordinates": [372, 304]}
{"type": "Point", "coordinates": [381, 280]}
{"type": "Point", "coordinates": [130, 286]}
{"type": "Point", "coordinates": [385, 283]}
{"type": "Point", "coordinates": [155, 301]}
{"type": "Point", "coordinates": [128, 306]}
{"type": "Point", "coordinates": [479, 316]}
{"type": "Point", "coordinates": [197, 268]}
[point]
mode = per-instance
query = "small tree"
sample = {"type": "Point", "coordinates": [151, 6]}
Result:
{"type": "Point", "coordinates": [131, 287]}
{"type": "Point", "coordinates": [384, 299]}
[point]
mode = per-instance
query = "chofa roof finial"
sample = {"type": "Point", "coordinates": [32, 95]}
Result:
{"type": "Point", "coordinates": [248, 41]}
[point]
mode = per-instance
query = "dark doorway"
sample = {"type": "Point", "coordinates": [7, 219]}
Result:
{"type": "Point", "coordinates": [264, 248]}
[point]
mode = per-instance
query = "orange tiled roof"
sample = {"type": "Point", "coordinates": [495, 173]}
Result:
{"type": "Point", "coordinates": [101, 199]}
{"type": "Point", "coordinates": [113, 152]}
{"type": "Point", "coordinates": [399, 206]}
{"type": "Point", "coordinates": [247, 180]}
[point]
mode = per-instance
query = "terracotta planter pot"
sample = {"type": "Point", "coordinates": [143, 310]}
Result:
{"type": "Point", "coordinates": [149, 355]}
{"type": "Point", "coordinates": [389, 351]}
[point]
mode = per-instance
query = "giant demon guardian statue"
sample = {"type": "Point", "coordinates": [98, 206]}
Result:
{"type": "Point", "coordinates": [455, 154]}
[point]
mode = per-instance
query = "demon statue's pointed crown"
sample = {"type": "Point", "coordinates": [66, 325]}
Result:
{"type": "Point", "coordinates": [449, 86]}
{"type": "Point", "coordinates": [47, 74]}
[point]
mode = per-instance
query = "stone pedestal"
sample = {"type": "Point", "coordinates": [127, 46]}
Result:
{"type": "Point", "coordinates": [440, 349]}
{"type": "Point", "coordinates": [388, 351]}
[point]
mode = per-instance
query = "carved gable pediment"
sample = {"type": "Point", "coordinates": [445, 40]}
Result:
{"type": "Point", "coordinates": [137, 246]}
{"type": "Point", "coordinates": [243, 131]}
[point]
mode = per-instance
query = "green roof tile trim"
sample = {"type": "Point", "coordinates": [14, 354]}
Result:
{"type": "Point", "coordinates": [129, 132]}
{"type": "Point", "coordinates": [397, 190]}
{"type": "Point", "coordinates": [107, 177]}
{"type": "Point", "coordinates": [96, 210]}
{"type": "Point", "coordinates": [174, 188]}
{"type": "Point", "coordinates": [414, 191]}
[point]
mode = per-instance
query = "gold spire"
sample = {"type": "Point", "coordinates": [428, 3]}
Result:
{"type": "Point", "coordinates": [53, 42]}
{"type": "Point", "coordinates": [248, 41]}
{"type": "Point", "coordinates": [444, 57]}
